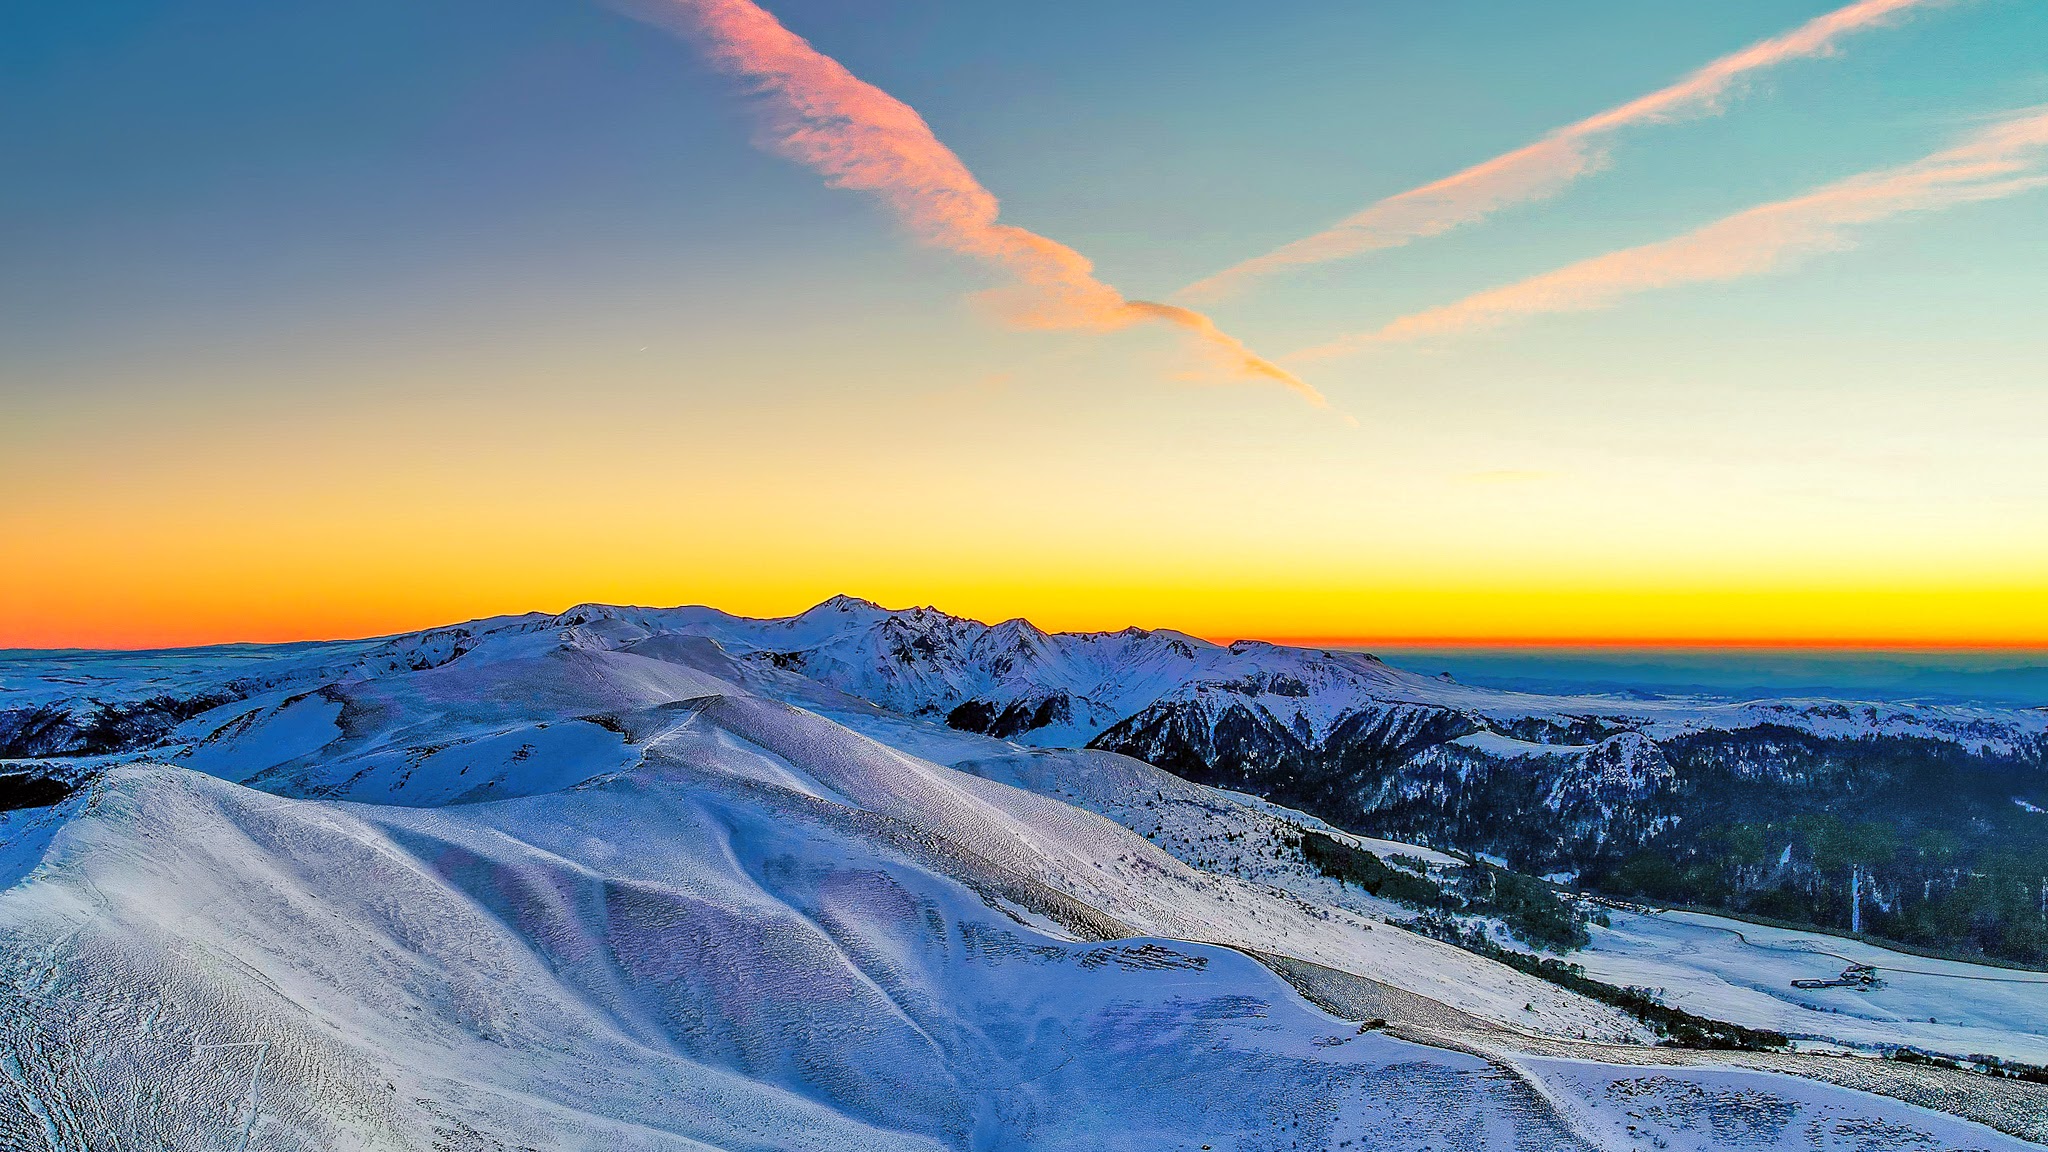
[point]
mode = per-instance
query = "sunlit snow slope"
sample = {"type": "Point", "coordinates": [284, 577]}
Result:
{"type": "Point", "coordinates": [607, 881]}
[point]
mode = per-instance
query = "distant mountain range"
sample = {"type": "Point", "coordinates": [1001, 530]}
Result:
{"type": "Point", "coordinates": [862, 878]}
{"type": "Point", "coordinates": [1638, 795]}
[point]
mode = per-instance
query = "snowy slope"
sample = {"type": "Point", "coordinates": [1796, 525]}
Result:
{"type": "Point", "coordinates": [532, 712]}
{"type": "Point", "coordinates": [921, 661]}
{"type": "Point", "coordinates": [632, 966]}
{"type": "Point", "coordinates": [635, 878]}
{"type": "Point", "coordinates": [1011, 680]}
{"type": "Point", "coordinates": [1741, 972]}
{"type": "Point", "coordinates": [680, 959]}
{"type": "Point", "coordinates": [525, 705]}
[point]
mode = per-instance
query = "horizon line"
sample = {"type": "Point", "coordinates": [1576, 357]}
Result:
{"type": "Point", "coordinates": [1354, 642]}
{"type": "Point", "coordinates": [1882, 644]}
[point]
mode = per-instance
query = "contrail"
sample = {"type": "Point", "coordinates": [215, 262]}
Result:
{"type": "Point", "coordinates": [1547, 166]}
{"type": "Point", "coordinates": [860, 137]}
{"type": "Point", "coordinates": [2002, 159]}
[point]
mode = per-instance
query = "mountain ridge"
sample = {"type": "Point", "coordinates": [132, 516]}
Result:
{"type": "Point", "coordinates": [670, 878]}
{"type": "Point", "coordinates": [1635, 796]}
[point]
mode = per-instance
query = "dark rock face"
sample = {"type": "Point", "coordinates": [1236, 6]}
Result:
{"type": "Point", "coordinates": [1012, 719]}
{"type": "Point", "coordinates": [1770, 775]}
{"type": "Point", "coordinates": [1541, 814]}
{"type": "Point", "coordinates": [1393, 770]}
{"type": "Point", "coordinates": [1766, 819]}
{"type": "Point", "coordinates": [90, 728]}
{"type": "Point", "coordinates": [1349, 777]}
{"type": "Point", "coordinates": [46, 731]}
{"type": "Point", "coordinates": [23, 790]}
{"type": "Point", "coordinates": [1567, 730]}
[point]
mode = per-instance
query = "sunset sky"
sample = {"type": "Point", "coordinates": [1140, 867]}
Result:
{"type": "Point", "coordinates": [1590, 320]}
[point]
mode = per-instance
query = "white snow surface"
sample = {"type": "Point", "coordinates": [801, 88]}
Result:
{"type": "Point", "coordinates": [924, 662]}
{"type": "Point", "coordinates": [1742, 972]}
{"type": "Point", "coordinates": [677, 958]}
{"type": "Point", "coordinates": [671, 879]}
{"type": "Point", "coordinates": [1708, 1109]}
{"type": "Point", "coordinates": [1494, 744]}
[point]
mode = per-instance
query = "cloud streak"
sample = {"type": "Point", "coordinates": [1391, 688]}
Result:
{"type": "Point", "coordinates": [1544, 168]}
{"type": "Point", "coordinates": [859, 137]}
{"type": "Point", "coordinates": [2004, 158]}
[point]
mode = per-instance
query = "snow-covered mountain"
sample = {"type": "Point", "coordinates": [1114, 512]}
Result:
{"type": "Point", "coordinates": [1551, 784]}
{"type": "Point", "coordinates": [672, 879]}
{"type": "Point", "coordinates": [1011, 680]}
{"type": "Point", "coordinates": [1548, 782]}
{"type": "Point", "coordinates": [921, 661]}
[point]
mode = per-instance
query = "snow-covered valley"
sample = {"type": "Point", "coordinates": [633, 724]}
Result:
{"type": "Point", "coordinates": [1742, 972]}
{"type": "Point", "coordinates": [659, 879]}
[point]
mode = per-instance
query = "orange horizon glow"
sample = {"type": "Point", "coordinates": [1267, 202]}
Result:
{"type": "Point", "coordinates": [758, 427]}
{"type": "Point", "coordinates": [96, 628]}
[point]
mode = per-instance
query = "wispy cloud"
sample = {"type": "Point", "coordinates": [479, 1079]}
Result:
{"type": "Point", "coordinates": [860, 137]}
{"type": "Point", "coordinates": [1545, 167]}
{"type": "Point", "coordinates": [2006, 157]}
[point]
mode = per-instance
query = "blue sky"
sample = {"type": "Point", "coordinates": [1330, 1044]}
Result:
{"type": "Point", "coordinates": [397, 276]}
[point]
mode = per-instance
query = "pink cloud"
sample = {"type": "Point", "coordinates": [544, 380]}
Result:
{"type": "Point", "coordinates": [2002, 159]}
{"type": "Point", "coordinates": [1542, 169]}
{"type": "Point", "coordinates": [859, 137]}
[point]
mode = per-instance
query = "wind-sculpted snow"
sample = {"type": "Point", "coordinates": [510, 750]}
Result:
{"type": "Point", "coordinates": [671, 879]}
{"type": "Point", "coordinates": [672, 958]}
{"type": "Point", "coordinates": [1108, 867]}
{"type": "Point", "coordinates": [636, 965]}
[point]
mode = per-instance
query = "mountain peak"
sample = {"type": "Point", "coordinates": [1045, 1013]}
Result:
{"type": "Point", "coordinates": [1019, 627]}
{"type": "Point", "coordinates": [587, 613]}
{"type": "Point", "coordinates": [844, 603]}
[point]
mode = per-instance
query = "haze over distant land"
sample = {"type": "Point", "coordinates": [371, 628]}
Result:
{"type": "Point", "coordinates": [1990, 676]}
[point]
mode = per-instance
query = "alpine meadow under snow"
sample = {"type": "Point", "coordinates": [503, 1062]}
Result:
{"type": "Point", "coordinates": [632, 878]}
